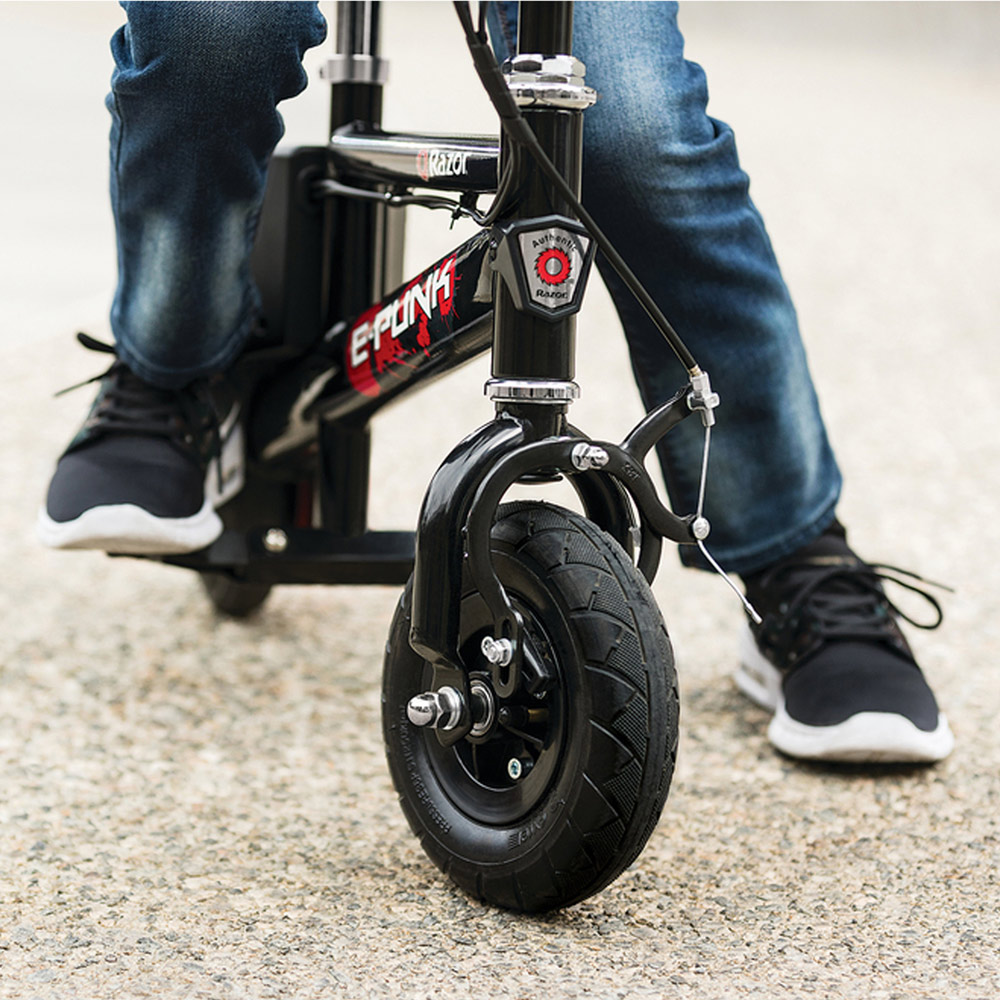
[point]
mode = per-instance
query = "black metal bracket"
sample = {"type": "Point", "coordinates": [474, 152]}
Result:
{"type": "Point", "coordinates": [305, 555]}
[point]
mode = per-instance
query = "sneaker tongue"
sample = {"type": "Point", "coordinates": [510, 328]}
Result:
{"type": "Point", "coordinates": [830, 549]}
{"type": "Point", "coordinates": [767, 590]}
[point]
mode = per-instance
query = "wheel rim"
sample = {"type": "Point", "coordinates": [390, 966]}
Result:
{"type": "Point", "coordinates": [476, 773]}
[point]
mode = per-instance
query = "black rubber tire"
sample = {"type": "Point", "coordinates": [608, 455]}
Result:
{"type": "Point", "coordinates": [232, 597]}
{"type": "Point", "coordinates": [607, 754]}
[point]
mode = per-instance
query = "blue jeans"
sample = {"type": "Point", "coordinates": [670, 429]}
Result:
{"type": "Point", "coordinates": [193, 104]}
{"type": "Point", "coordinates": [194, 123]}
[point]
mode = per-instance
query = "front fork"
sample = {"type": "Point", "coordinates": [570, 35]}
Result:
{"type": "Point", "coordinates": [453, 536]}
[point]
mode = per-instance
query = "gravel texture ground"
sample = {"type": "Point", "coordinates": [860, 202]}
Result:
{"type": "Point", "coordinates": [192, 807]}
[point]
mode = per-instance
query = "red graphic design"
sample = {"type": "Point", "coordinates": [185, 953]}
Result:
{"type": "Point", "coordinates": [388, 333]}
{"type": "Point", "coordinates": [552, 266]}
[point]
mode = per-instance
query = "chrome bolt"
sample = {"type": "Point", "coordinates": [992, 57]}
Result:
{"type": "Point", "coordinates": [703, 398]}
{"type": "Point", "coordinates": [438, 709]}
{"type": "Point", "coordinates": [700, 528]}
{"type": "Point", "coordinates": [499, 652]}
{"type": "Point", "coordinates": [275, 540]}
{"type": "Point", "coordinates": [588, 456]}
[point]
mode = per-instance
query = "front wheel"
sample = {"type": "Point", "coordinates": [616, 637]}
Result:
{"type": "Point", "coordinates": [550, 797]}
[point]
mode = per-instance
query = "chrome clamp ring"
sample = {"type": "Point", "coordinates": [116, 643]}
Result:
{"type": "Point", "coordinates": [502, 390]}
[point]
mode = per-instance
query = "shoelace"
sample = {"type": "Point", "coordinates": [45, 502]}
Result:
{"type": "Point", "coordinates": [844, 600]}
{"type": "Point", "coordinates": [128, 404]}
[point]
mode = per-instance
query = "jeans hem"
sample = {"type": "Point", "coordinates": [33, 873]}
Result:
{"type": "Point", "coordinates": [751, 559]}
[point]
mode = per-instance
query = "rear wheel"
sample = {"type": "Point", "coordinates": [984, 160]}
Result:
{"type": "Point", "coordinates": [551, 796]}
{"type": "Point", "coordinates": [262, 501]}
{"type": "Point", "coordinates": [236, 598]}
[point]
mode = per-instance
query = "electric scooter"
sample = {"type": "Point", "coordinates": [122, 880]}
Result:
{"type": "Point", "coordinates": [529, 696]}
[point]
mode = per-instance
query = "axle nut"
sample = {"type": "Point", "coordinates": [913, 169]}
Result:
{"type": "Point", "coordinates": [439, 709]}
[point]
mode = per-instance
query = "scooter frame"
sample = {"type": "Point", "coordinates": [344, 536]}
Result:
{"type": "Point", "coordinates": [327, 359]}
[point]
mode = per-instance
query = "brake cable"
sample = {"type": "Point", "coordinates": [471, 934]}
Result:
{"type": "Point", "coordinates": [522, 134]}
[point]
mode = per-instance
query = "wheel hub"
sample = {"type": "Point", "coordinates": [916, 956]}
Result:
{"type": "Point", "coordinates": [484, 707]}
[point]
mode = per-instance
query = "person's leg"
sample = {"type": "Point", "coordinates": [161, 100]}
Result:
{"type": "Point", "coordinates": [194, 121]}
{"type": "Point", "coordinates": [663, 180]}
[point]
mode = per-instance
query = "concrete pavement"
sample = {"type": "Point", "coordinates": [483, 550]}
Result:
{"type": "Point", "coordinates": [192, 807]}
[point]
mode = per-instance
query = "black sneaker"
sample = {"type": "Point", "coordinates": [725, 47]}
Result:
{"type": "Point", "coordinates": [143, 474]}
{"type": "Point", "coordinates": [830, 660]}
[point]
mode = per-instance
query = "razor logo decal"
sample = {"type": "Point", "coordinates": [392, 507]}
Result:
{"type": "Point", "coordinates": [433, 163]}
{"type": "Point", "coordinates": [553, 261]}
{"type": "Point", "coordinates": [553, 266]}
{"type": "Point", "coordinates": [383, 336]}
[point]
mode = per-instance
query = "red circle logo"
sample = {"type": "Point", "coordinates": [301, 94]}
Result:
{"type": "Point", "coordinates": [552, 266]}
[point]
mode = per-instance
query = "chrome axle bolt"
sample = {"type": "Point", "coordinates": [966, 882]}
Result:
{"type": "Point", "coordinates": [438, 709]}
{"type": "Point", "coordinates": [700, 528]}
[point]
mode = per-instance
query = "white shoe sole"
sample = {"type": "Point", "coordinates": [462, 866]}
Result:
{"type": "Point", "coordinates": [868, 737]}
{"type": "Point", "coordinates": [130, 530]}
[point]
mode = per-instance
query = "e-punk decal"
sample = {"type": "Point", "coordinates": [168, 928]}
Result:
{"type": "Point", "coordinates": [382, 336]}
